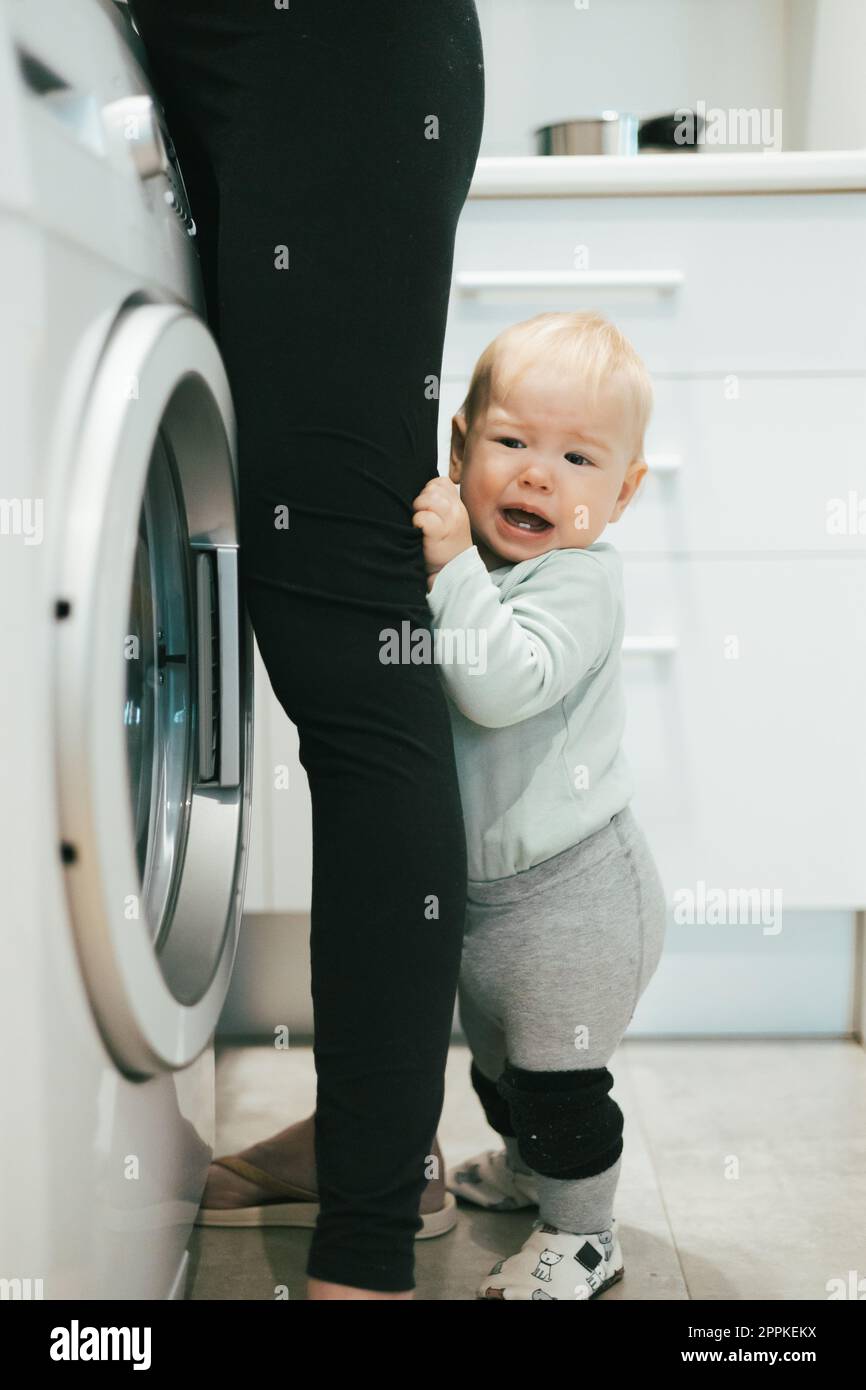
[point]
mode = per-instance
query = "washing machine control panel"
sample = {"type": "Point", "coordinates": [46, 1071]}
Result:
{"type": "Point", "coordinates": [138, 121]}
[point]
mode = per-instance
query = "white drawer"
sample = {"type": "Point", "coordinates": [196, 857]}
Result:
{"type": "Point", "coordinates": [772, 468]}
{"type": "Point", "coordinates": [775, 281]}
{"type": "Point", "coordinates": [291, 816]}
{"type": "Point", "coordinates": [279, 877]}
{"type": "Point", "coordinates": [751, 772]}
{"type": "Point", "coordinates": [769, 469]}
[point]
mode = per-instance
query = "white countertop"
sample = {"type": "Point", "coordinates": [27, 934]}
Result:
{"type": "Point", "coordinates": [545, 176]}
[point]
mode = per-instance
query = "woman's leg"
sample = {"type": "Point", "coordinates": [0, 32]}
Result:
{"type": "Point", "coordinates": [328, 150]}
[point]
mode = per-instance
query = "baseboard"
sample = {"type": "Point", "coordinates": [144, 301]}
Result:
{"type": "Point", "coordinates": [712, 981]}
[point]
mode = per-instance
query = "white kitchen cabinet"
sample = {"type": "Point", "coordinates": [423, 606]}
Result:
{"type": "Point", "coordinates": [744, 737]}
{"type": "Point", "coordinates": [745, 648]}
{"type": "Point", "coordinates": [765, 282]}
{"type": "Point", "coordinates": [281, 859]}
{"type": "Point", "coordinates": [750, 312]}
{"type": "Point", "coordinates": [279, 875]}
{"type": "Point", "coordinates": [762, 466]}
{"type": "Point", "coordinates": [291, 817]}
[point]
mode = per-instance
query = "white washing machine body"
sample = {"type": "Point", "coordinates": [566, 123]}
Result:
{"type": "Point", "coordinates": [126, 698]}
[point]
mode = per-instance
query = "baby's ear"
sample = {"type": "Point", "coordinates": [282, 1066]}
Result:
{"type": "Point", "coordinates": [641, 472]}
{"type": "Point", "coordinates": [635, 474]}
{"type": "Point", "coordinates": [458, 447]}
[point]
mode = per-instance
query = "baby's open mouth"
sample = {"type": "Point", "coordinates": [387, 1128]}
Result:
{"type": "Point", "coordinates": [525, 521]}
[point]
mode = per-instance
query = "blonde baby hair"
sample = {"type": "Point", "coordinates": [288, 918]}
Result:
{"type": "Point", "coordinates": [582, 343]}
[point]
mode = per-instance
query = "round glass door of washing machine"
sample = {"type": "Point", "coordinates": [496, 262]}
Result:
{"type": "Point", "coordinates": [158, 710]}
{"type": "Point", "coordinates": [153, 691]}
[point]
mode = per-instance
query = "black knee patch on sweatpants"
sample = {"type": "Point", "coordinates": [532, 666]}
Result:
{"type": "Point", "coordinates": [567, 1125]}
{"type": "Point", "coordinates": [495, 1108]}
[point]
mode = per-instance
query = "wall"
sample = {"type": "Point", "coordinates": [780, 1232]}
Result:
{"type": "Point", "coordinates": [826, 48]}
{"type": "Point", "coordinates": [546, 60]}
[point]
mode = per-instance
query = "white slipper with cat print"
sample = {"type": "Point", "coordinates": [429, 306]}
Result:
{"type": "Point", "coordinates": [557, 1265]}
{"type": "Point", "coordinates": [489, 1181]}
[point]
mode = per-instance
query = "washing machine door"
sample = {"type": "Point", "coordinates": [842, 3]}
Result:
{"type": "Point", "coordinates": [153, 691]}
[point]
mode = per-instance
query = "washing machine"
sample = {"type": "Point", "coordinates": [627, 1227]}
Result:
{"type": "Point", "coordinates": [126, 695]}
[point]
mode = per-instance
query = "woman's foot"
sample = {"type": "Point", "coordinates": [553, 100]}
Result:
{"type": "Point", "coordinates": [273, 1183]}
{"type": "Point", "coordinates": [288, 1158]}
{"type": "Point", "coordinates": [558, 1265]}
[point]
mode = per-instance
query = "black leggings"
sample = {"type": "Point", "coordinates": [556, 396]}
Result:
{"type": "Point", "coordinates": [326, 201]}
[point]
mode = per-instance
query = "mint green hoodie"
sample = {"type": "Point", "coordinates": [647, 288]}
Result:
{"type": "Point", "coordinates": [536, 700]}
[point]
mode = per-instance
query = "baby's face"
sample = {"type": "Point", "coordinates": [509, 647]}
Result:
{"type": "Point", "coordinates": [545, 472]}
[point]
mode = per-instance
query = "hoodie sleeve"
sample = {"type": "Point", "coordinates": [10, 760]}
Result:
{"type": "Point", "coordinates": [503, 661]}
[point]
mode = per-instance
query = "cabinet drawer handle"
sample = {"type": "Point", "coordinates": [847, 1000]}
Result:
{"type": "Point", "coordinates": [649, 646]}
{"type": "Point", "coordinates": [664, 463]}
{"type": "Point", "coordinates": [473, 281]}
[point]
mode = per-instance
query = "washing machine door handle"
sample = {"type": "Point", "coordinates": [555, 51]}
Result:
{"type": "Point", "coordinates": [218, 666]}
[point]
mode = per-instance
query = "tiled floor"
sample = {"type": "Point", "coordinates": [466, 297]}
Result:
{"type": "Point", "coordinates": [744, 1173]}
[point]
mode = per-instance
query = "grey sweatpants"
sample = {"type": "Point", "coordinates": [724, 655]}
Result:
{"type": "Point", "coordinates": [554, 962]}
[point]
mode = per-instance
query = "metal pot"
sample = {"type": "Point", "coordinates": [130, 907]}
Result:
{"type": "Point", "coordinates": [618, 132]}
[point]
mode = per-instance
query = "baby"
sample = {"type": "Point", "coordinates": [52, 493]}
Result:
{"type": "Point", "coordinates": [566, 913]}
